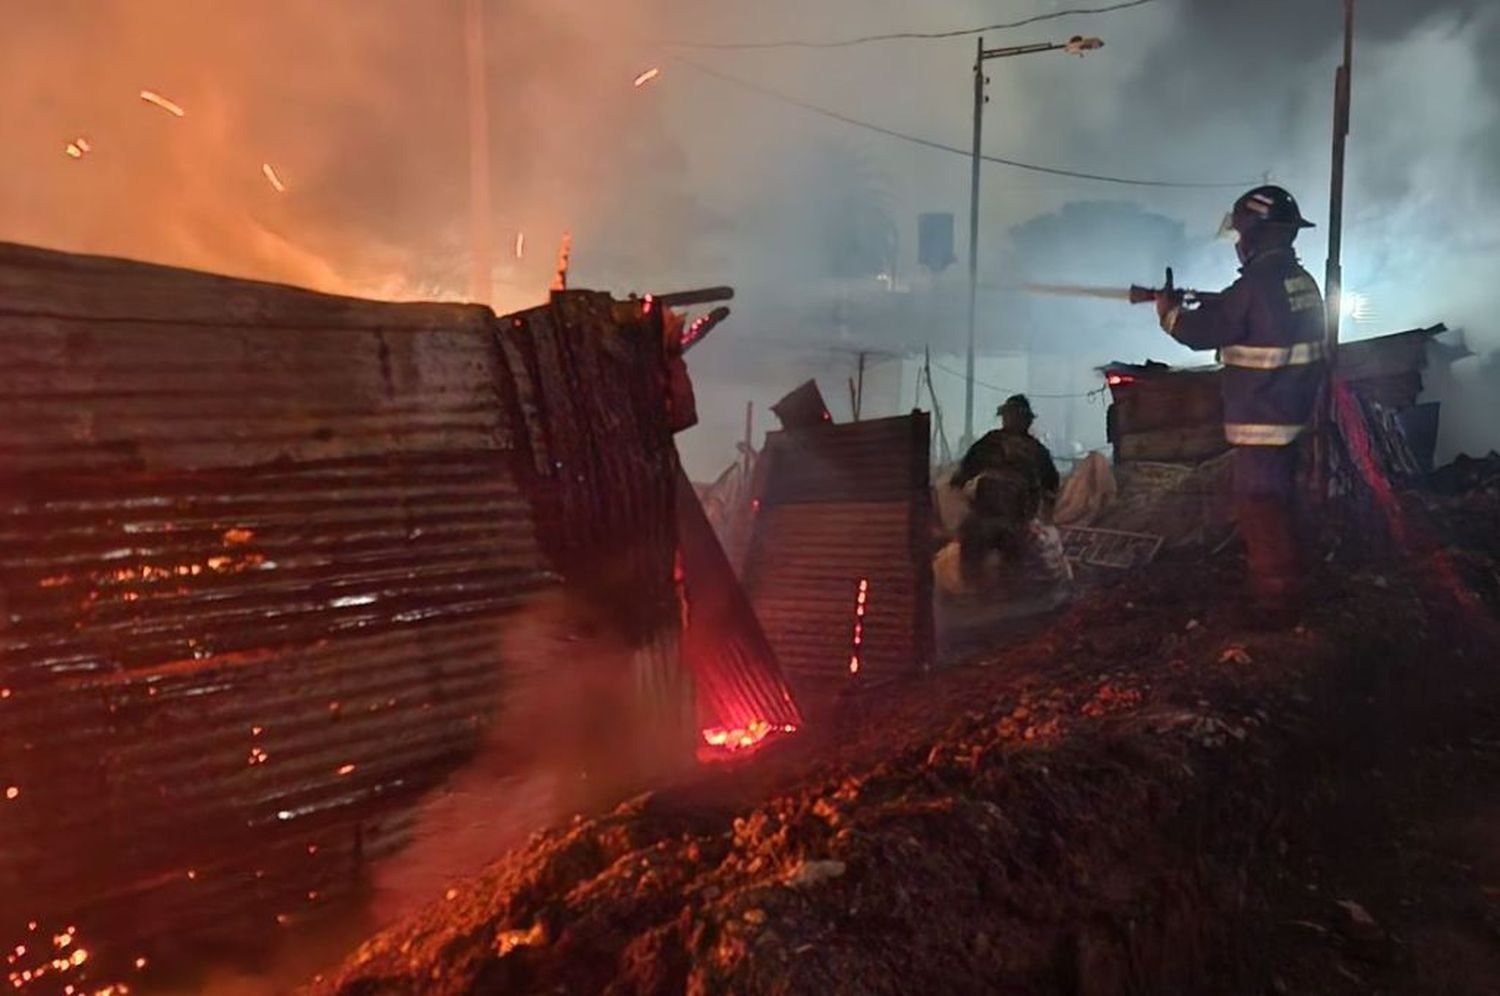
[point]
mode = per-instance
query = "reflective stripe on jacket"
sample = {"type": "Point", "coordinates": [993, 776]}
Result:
{"type": "Point", "coordinates": [1269, 329]}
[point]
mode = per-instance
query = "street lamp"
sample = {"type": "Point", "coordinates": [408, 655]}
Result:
{"type": "Point", "coordinates": [1077, 45]}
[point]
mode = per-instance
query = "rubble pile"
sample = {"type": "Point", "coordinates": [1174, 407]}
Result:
{"type": "Point", "coordinates": [1078, 813]}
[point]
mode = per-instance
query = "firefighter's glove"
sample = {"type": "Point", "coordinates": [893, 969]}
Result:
{"type": "Point", "coordinates": [1168, 306]}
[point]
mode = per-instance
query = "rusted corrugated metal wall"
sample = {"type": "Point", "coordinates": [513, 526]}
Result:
{"type": "Point", "coordinates": [838, 505]}
{"type": "Point", "coordinates": [260, 549]}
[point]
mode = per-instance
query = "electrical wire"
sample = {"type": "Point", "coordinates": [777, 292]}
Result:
{"type": "Point", "coordinates": [811, 108]}
{"type": "Point", "coordinates": [1009, 391]}
{"type": "Point", "coordinates": [902, 35]}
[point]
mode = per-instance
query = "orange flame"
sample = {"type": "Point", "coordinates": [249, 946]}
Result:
{"type": "Point", "coordinates": [860, 598]}
{"type": "Point", "coordinates": [742, 739]}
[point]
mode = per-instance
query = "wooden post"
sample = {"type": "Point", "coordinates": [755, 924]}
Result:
{"type": "Point", "coordinates": [859, 389]}
{"type": "Point", "coordinates": [745, 459]}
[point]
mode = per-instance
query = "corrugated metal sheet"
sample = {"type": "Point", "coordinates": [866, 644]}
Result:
{"type": "Point", "coordinates": [1169, 401]}
{"type": "Point", "coordinates": [840, 505]}
{"type": "Point", "coordinates": [260, 552]}
{"type": "Point", "coordinates": [738, 679]}
{"type": "Point", "coordinates": [591, 375]}
{"type": "Point", "coordinates": [1386, 355]}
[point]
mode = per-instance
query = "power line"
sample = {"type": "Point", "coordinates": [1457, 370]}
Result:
{"type": "Point", "coordinates": [811, 108]}
{"type": "Point", "coordinates": [902, 35]}
{"type": "Point", "coordinates": [1006, 390]}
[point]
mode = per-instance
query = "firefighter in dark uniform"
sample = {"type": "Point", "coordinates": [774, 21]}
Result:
{"type": "Point", "coordinates": [1270, 330]}
{"type": "Point", "coordinates": [1014, 478]}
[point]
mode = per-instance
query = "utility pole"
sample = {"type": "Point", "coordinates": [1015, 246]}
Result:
{"type": "Point", "coordinates": [1333, 283]}
{"type": "Point", "coordinates": [481, 209]}
{"type": "Point", "coordinates": [979, 101]}
{"type": "Point", "coordinates": [1074, 46]}
{"type": "Point", "coordinates": [1343, 98]}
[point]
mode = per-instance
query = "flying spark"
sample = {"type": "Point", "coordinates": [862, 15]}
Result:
{"type": "Point", "coordinates": [520, 245]}
{"type": "Point", "coordinates": [79, 147]}
{"type": "Point", "coordinates": [152, 97]}
{"type": "Point", "coordinates": [647, 76]}
{"type": "Point", "coordinates": [275, 181]}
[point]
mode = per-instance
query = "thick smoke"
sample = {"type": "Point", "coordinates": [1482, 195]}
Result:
{"type": "Point", "coordinates": [361, 107]}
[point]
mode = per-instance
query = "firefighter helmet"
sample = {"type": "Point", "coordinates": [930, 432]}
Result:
{"type": "Point", "coordinates": [1268, 205]}
{"type": "Point", "coordinates": [1020, 405]}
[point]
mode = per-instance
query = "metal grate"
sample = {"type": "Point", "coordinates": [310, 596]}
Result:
{"type": "Point", "coordinates": [1109, 547]}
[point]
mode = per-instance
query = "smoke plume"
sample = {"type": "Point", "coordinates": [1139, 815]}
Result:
{"type": "Point", "coordinates": [721, 168]}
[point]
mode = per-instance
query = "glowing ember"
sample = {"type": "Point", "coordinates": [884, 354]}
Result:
{"type": "Point", "coordinates": [79, 147]}
{"type": "Point", "coordinates": [647, 76]}
{"type": "Point", "coordinates": [272, 178]}
{"type": "Point", "coordinates": [520, 245]}
{"type": "Point", "coordinates": [860, 598]}
{"type": "Point", "coordinates": [508, 940]}
{"type": "Point", "coordinates": [237, 536]}
{"type": "Point", "coordinates": [347, 769]}
{"type": "Point", "coordinates": [152, 97]}
{"type": "Point", "coordinates": [742, 739]}
{"type": "Point", "coordinates": [12, 792]}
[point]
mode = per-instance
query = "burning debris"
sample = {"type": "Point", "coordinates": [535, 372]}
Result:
{"type": "Point", "coordinates": [152, 97]}
{"type": "Point", "coordinates": [564, 256]}
{"type": "Point", "coordinates": [520, 245]}
{"type": "Point", "coordinates": [647, 77]}
{"type": "Point", "coordinates": [58, 964]}
{"type": "Point", "coordinates": [744, 739]}
{"type": "Point", "coordinates": [78, 148]}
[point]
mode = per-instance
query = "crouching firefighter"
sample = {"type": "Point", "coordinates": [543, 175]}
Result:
{"type": "Point", "coordinates": [1010, 478]}
{"type": "Point", "coordinates": [1270, 330]}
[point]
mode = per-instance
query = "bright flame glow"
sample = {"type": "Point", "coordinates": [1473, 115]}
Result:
{"type": "Point", "coordinates": [152, 97]}
{"type": "Point", "coordinates": [860, 599]}
{"type": "Point", "coordinates": [647, 76]}
{"type": "Point", "coordinates": [1356, 307]}
{"type": "Point", "coordinates": [745, 738]}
